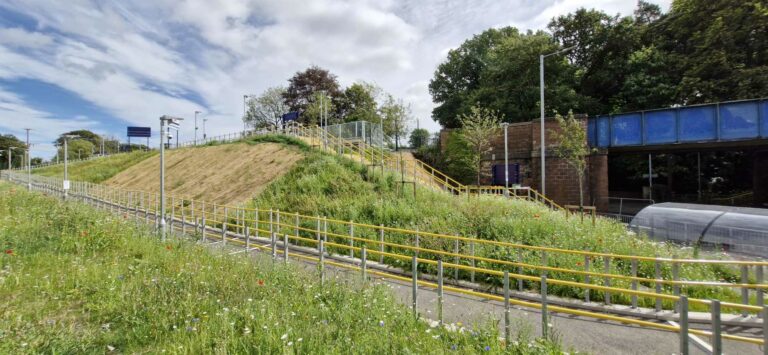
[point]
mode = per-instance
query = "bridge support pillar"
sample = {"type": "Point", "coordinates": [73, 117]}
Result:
{"type": "Point", "coordinates": [760, 178]}
{"type": "Point", "coordinates": [598, 180]}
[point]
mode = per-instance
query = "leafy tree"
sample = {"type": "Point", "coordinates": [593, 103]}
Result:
{"type": "Point", "coordinates": [572, 146]}
{"type": "Point", "coordinates": [419, 138]}
{"type": "Point", "coordinates": [457, 159]}
{"type": "Point", "coordinates": [396, 116]}
{"type": "Point", "coordinates": [319, 102]}
{"type": "Point", "coordinates": [478, 128]}
{"type": "Point", "coordinates": [110, 144]}
{"type": "Point", "coordinates": [268, 109]}
{"type": "Point", "coordinates": [303, 85]}
{"type": "Point", "coordinates": [17, 155]}
{"type": "Point", "coordinates": [358, 103]}
{"type": "Point", "coordinates": [77, 147]}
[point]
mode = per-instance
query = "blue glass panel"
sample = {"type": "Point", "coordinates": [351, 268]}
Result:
{"type": "Point", "coordinates": [603, 132]}
{"type": "Point", "coordinates": [697, 123]}
{"type": "Point", "coordinates": [626, 130]}
{"type": "Point", "coordinates": [660, 127]}
{"type": "Point", "coordinates": [591, 134]}
{"type": "Point", "coordinates": [764, 118]}
{"type": "Point", "coordinates": [738, 120]}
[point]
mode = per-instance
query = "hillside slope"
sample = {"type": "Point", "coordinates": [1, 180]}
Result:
{"type": "Point", "coordinates": [229, 173]}
{"type": "Point", "coordinates": [97, 170]}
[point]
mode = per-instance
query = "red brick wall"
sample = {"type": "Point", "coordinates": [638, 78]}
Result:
{"type": "Point", "coordinates": [562, 181]}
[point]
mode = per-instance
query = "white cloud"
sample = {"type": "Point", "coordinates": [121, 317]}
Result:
{"type": "Point", "coordinates": [18, 37]}
{"type": "Point", "coordinates": [139, 60]}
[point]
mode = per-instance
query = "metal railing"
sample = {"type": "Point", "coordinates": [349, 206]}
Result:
{"type": "Point", "coordinates": [529, 265]}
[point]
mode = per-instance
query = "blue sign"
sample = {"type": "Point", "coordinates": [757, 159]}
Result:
{"type": "Point", "coordinates": [291, 116]}
{"type": "Point", "coordinates": [140, 132]}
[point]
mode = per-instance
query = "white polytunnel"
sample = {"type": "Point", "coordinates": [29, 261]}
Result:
{"type": "Point", "coordinates": [741, 230]}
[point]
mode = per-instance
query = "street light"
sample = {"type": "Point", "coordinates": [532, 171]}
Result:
{"type": "Point", "coordinates": [541, 97]}
{"type": "Point", "coordinates": [29, 162]}
{"type": "Point", "coordinates": [245, 98]}
{"type": "Point", "coordinates": [506, 159]}
{"type": "Point", "coordinates": [195, 141]}
{"type": "Point", "coordinates": [65, 185]}
{"type": "Point", "coordinates": [172, 122]}
{"type": "Point", "coordinates": [10, 161]}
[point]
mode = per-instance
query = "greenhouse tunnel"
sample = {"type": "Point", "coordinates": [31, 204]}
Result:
{"type": "Point", "coordinates": [737, 230]}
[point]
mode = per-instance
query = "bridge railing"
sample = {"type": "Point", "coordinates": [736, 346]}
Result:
{"type": "Point", "coordinates": [471, 259]}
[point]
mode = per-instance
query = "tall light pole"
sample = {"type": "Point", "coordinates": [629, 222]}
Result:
{"type": "Point", "coordinates": [506, 159]}
{"type": "Point", "coordinates": [245, 99]}
{"type": "Point", "coordinates": [172, 121]}
{"type": "Point", "coordinates": [10, 160]}
{"type": "Point", "coordinates": [65, 185]}
{"type": "Point", "coordinates": [29, 162]}
{"type": "Point", "coordinates": [541, 98]}
{"type": "Point", "coordinates": [195, 141]}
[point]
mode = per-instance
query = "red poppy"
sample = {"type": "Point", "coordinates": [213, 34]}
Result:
{"type": "Point", "coordinates": [168, 247]}
{"type": "Point", "coordinates": [9, 251]}
{"type": "Point", "coordinates": [261, 282]}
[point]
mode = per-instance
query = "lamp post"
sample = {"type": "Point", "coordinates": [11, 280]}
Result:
{"type": "Point", "coordinates": [65, 184]}
{"type": "Point", "coordinates": [506, 160]}
{"type": "Point", "coordinates": [172, 121]}
{"type": "Point", "coordinates": [195, 141]}
{"type": "Point", "coordinates": [10, 160]}
{"type": "Point", "coordinates": [245, 103]}
{"type": "Point", "coordinates": [541, 97]}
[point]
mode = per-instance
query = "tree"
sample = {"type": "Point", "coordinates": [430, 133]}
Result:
{"type": "Point", "coordinates": [303, 85]}
{"type": "Point", "coordinates": [268, 109]}
{"type": "Point", "coordinates": [396, 116]}
{"type": "Point", "coordinates": [110, 144]}
{"type": "Point", "coordinates": [76, 147]}
{"type": "Point", "coordinates": [17, 155]}
{"type": "Point", "coordinates": [319, 102]}
{"type": "Point", "coordinates": [358, 103]}
{"type": "Point", "coordinates": [572, 147]}
{"type": "Point", "coordinates": [478, 128]}
{"type": "Point", "coordinates": [419, 138]}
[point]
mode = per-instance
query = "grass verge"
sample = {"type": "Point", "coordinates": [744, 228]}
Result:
{"type": "Point", "coordinates": [96, 170]}
{"type": "Point", "coordinates": [77, 280]}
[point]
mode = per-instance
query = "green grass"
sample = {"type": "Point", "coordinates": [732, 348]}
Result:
{"type": "Point", "coordinates": [97, 170]}
{"type": "Point", "coordinates": [77, 280]}
{"type": "Point", "coordinates": [327, 185]}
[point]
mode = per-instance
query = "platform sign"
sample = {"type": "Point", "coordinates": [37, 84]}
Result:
{"type": "Point", "coordinates": [291, 116]}
{"type": "Point", "coordinates": [140, 132]}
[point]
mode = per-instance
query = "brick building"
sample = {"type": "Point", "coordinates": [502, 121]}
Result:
{"type": "Point", "coordinates": [523, 140]}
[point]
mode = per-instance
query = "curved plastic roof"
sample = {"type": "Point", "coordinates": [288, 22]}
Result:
{"type": "Point", "coordinates": [738, 229]}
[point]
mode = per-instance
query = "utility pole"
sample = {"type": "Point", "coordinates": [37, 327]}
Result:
{"type": "Point", "coordinates": [29, 162]}
{"type": "Point", "coordinates": [506, 159]}
{"type": "Point", "coordinates": [172, 121]}
{"type": "Point", "coordinates": [65, 185]}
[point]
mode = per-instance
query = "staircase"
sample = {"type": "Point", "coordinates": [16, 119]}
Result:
{"type": "Point", "coordinates": [409, 168]}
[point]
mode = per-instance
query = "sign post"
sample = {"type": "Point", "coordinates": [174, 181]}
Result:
{"type": "Point", "coordinates": [144, 132]}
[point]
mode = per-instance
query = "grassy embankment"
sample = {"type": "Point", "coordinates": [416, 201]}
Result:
{"type": "Point", "coordinates": [78, 280]}
{"type": "Point", "coordinates": [96, 170]}
{"type": "Point", "coordinates": [326, 185]}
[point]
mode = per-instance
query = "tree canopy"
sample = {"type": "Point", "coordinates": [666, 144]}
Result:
{"type": "Point", "coordinates": [304, 85]}
{"type": "Point", "coordinates": [700, 51]}
{"type": "Point", "coordinates": [17, 155]}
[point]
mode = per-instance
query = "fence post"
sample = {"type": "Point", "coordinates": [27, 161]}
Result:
{"type": "Point", "coordinates": [456, 259]}
{"type": "Point", "coordinates": [440, 291]}
{"type": "Point", "coordinates": [183, 219]}
{"type": "Point", "coordinates": [415, 284]}
{"type": "Point", "coordinates": [317, 232]}
{"type": "Point", "coordinates": [544, 315]}
{"type": "Point", "coordinates": [744, 290]}
{"type": "Point", "coordinates": [285, 248]}
{"type": "Point", "coordinates": [223, 234]}
{"type": "Point", "coordinates": [544, 263]}
{"type": "Point", "coordinates": [586, 277]}
{"type": "Point", "coordinates": [607, 268]}
{"type": "Point", "coordinates": [202, 227]}
{"type": "Point", "coordinates": [297, 224]}
{"type": "Point", "coordinates": [657, 274]}
{"type": "Point", "coordinates": [683, 325]}
{"type": "Point", "coordinates": [363, 259]}
{"type": "Point", "coordinates": [759, 291]}
{"type": "Point", "coordinates": [247, 239]}
{"type": "Point", "coordinates": [717, 340]}
{"type": "Point", "coordinates": [675, 286]}
{"type": "Point", "coordinates": [351, 241]}
{"type": "Point", "coordinates": [507, 325]}
{"type": "Point", "coordinates": [520, 269]}
{"type": "Point", "coordinates": [765, 330]}
{"type": "Point", "coordinates": [472, 261]}
{"type": "Point", "coordinates": [381, 243]}
{"type": "Point", "coordinates": [634, 283]}
{"type": "Point", "coordinates": [322, 263]}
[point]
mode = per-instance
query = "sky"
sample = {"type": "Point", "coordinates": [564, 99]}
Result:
{"type": "Point", "coordinates": [104, 65]}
